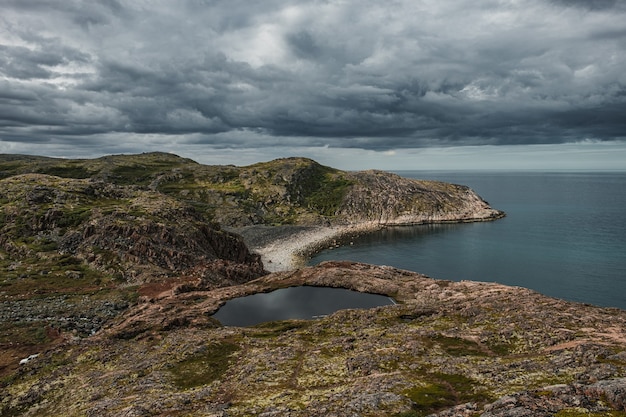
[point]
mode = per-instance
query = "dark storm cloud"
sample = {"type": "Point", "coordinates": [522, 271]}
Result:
{"type": "Point", "coordinates": [590, 4]}
{"type": "Point", "coordinates": [346, 74]}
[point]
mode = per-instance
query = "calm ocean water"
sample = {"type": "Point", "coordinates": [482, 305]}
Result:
{"type": "Point", "coordinates": [564, 236]}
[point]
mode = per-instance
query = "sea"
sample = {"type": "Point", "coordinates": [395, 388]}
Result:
{"type": "Point", "coordinates": [564, 236]}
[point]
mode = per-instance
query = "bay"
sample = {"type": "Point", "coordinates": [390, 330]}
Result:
{"type": "Point", "coordinates": [564, 236]}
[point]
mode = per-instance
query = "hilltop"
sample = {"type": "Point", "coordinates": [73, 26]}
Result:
{"type": "Point", "coordinates": [296, 191]}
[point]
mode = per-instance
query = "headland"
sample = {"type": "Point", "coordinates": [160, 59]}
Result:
{"type": "Point", "coordinates": [113, 267]}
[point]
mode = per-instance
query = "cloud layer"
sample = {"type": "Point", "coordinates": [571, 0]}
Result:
{"type": "Point", "coordinates": [122, 74]}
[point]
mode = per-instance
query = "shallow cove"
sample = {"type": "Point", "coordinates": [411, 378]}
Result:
{"type": "Point", "coordinates": [303, 302]}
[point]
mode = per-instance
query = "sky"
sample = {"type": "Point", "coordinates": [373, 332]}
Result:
{"type": "Point", "coordinates": [355, 84]}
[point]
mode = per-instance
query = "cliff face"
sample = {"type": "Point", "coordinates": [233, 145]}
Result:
{"type": "Point", "coordinates": [446, 349]}
{"type": "Point", "coordinates": [391, 199]}
{"type": "Point", "coordinates": [127, 233]}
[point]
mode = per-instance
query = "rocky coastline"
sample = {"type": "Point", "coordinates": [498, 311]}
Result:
{"type": "Point", "coordinates": [113, 269]}
{"type": "Point", "coordinates": [283, 248]}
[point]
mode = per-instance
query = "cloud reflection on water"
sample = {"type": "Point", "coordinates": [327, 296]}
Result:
{"type": "Point", "coordinates": [294, 303]}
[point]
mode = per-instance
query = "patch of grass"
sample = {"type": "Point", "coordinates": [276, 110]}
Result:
{"type": "Point", "coordinates": [205, 367]}
{"type": "Point", "coordinates": [64, 274]}
{"type": "Point", "coordinates": [24, 333]}
{"type": "Point", "coordinates": [44, 245]}
{"type": "Point", "coordinates": [456, 346]}
{"type": "Point", "coordinates": [442, 391]}
{"type": "Point", "coordinates": [605, 359]}
{"type": "Point", "coordinates": [276, 328]}
{"type": "Point", "coordinates": [74, 217]}
{"type": "Point", "coordinates": [141, 169]}
{"type": "Point", "coordinates": [133, 174]}
{"type": "Point", "coordinates": [9, 168]}
{"type": "Point", "coordinates": [429, 398]}
{"type": "Point", "coordinates": [411, 413]}
{"type": "Point", "coordinates": [328, 193]}
{"type": "Point", "coordinates": [503, 348]}
{"type": "Point", "coordinates": [69, 170]}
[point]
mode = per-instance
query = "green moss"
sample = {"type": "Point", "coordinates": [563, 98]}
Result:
{"type": "Point", "coordinates": [275, 328]}
{"type": "Point", "coordinates": [69, 170]}
{"type": "Point", "coordinates": [328, 193]}
{"type": "Point", "coordinates": [430, 397]}
{"type": "Point", "coordinates": [504, 347]}
{"type": "Point", "coordinates": [456, 346]}
{"type": "Point", "coordinates": [440, 391]}
{"type": "Point", "coordinates": [205, 367]}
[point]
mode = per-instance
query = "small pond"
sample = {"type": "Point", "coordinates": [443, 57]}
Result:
{"type": "Point", "coordinates": [294, 303]}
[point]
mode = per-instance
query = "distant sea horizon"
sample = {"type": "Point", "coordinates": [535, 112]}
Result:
{"type": "Point", "coordinates": [564, 235]}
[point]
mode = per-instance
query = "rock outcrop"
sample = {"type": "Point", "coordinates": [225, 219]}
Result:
{"type": "Point", "coordinates": [446, 349]}
{"type": "Point", "coordinates": [392, 200]}
{"type": "Point", "coordinates": [132, 234]}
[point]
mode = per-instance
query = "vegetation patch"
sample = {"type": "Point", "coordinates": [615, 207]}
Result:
{"type": "Point", "coordinates": [204, 367]}
{"type": "Point", "coordinates": [440, 391]}
{"type": "Point", "coordinates": [272, 329]}
{"type": "Point", "coordinates": [24, 333]}
{"type": "Point", "coordinates": [329, 193]}
{"type": "Point", "coordinates": [456, 346]}
{"type": "Point", "coordinates": [503, 348]}
{"type": "Point", "coordinates": [70, 170]}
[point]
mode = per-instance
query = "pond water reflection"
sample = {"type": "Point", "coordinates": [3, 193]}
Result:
{"type": "Point", "coordinates": [294, 303]}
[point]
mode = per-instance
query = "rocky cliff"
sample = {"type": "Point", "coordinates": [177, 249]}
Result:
{"type": "Point", "coordinates": [127, 233]}
{"type": "Point", "coordinates": [390, 199]}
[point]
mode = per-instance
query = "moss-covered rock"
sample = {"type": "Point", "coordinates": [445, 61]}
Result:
{"type": "Point", "coordinates": [428, 355]}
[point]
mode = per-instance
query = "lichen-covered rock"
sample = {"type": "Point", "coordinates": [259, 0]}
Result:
{"type": "Point", "coordinates": [446, 349]}
{"type": "Point", "coordinates": [603, 396]}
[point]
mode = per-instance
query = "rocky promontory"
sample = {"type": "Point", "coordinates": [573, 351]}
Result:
{"type": "Point", "coordinates": [113, 267]}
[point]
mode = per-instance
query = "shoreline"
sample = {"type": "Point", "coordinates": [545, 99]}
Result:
{"type": "Point", "coordinates": [285, 248]}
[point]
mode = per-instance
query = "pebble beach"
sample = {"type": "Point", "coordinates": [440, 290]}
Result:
{"type": "Point", "coordinates": [284, 248]}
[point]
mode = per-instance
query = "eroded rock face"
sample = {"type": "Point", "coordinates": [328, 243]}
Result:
{"type": "Point", "coordinates": [390, 199]}
{"type": "Point", "coordinates": [137, 234]}
{"type": "Point", "coordinates": [447, 349]}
